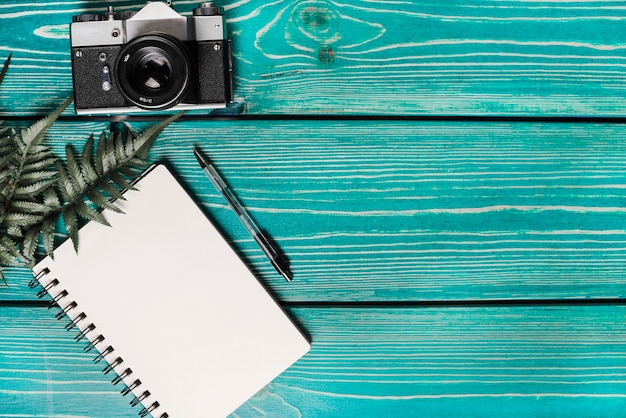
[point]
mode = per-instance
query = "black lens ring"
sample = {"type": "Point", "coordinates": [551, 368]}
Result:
{"type": "Point", "coordinates": [178, 59]}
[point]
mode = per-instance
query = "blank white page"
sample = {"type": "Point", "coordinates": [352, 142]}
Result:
{"type": "Point", "coordinates": [175, 302]}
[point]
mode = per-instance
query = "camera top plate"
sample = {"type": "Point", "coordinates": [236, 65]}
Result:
{"type": "Point", "coordinates": [118, 28]}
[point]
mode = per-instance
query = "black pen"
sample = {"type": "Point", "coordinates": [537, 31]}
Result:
{"type": "Point", "coordinates": [278, 259]}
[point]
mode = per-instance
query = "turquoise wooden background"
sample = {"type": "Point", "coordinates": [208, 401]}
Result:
{"type": "Point", "coordinates": [447, 180]}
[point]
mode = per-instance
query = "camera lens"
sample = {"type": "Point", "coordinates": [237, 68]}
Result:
{"type": "Point", "coordinates": [154, 72]}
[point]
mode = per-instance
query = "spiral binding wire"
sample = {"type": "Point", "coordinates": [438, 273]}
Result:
{"type": "Point", "coordinates": [56, 299]}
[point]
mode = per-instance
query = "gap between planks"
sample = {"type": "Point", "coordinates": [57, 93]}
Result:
{"type": "Point", "coordinates": [400, 304]}
{"type": "Point", "coordinates": [332, 117]}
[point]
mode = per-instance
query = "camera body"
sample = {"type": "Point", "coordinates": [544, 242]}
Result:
{"type": "Point", "coordinates": [153, 59]}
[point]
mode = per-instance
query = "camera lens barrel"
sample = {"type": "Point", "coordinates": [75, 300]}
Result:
{"type": "Point", "coordinates": [155, 71]}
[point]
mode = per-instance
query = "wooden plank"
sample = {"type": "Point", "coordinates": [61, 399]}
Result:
{"type": "Point", "coordinates": [396, 211]}
{"type": "Point", "coordinates": [455, 362]}
{"type": "Point", "coordinates": [411, 57]}
{"type": "Point", "coordinates": [44, 372]}
{"type": "Point", "coordinates": [439, 362]}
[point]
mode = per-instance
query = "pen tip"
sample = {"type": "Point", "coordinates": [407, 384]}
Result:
{"type": "Point", "coordinates": [287, 275]}
{"type": "Point", "coordinates": [199, 158]}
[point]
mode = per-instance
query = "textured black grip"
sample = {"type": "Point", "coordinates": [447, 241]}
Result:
{"type": "Point", "coordinates": [214, 72]}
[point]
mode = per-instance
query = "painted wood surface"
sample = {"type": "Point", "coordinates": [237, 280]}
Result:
{"type": "Point", "coordinates": [514, 361]}
{"type": "Point", "coordinates": [360, 57]}
{"type": "Point", "coordinates": [397, 211]}
{"type": "Point", "coordinates": [521, 221]}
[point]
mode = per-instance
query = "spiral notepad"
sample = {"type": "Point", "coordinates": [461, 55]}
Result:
{"type": "Point", "coordinates": [169, 309]}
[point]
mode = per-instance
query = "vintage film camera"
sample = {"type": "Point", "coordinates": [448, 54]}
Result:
{"type": "Point", "coordinates": [152, 59]}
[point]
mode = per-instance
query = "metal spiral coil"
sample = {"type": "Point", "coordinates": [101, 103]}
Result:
{"type": "Point", "coordinates": [46, 290]}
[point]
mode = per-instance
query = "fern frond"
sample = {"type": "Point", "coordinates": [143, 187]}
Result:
{"type": "Point", "coordinates": [70, 219]}
{"type": "Point", "coordinates": [6, 146]}
{"type": "Point", "coordinates": [14, 230]}
{"type": "Point", "coordinates": [144, 141]}
{"type": "Point", "coordinates": [131, 170]}
{"type": "Point", "coordinates": [38, 191]}
{"type": "Point", "coordinates": [120, 148]}
{"type": "Point", "coordinates": [90, 177]}
{"type": "Point", "coordinates": [31, 190]}
{"type": "Point", "coordinates": [64, 184]}
{"type": "Point", "coordinates": [39, 162]}
{"type": "Point", "coordinates": [48, 227]}
{"type": "Point", "coordinates": [50, 198]}
{"type": "Point", "coordinates": [74, 172]}
{"type": "Point", "coordinates": [111, 190]}
{"type": "Point", "coordinates": [85, 212]}
{"type": "Point", "coordinates": [32, 177]}
{"type": "Point", "coordinates": [33, 135]}
{"type": "Point", "coordinates": [27, 206]}
{"type": "Point", "coordinates": [99, 199]}
{"type": "Point", "coordinates": [99, 158]}
{"type": "Point", "coordinates": [7, 258]}
{"type": "Point", "coordinates": [5, 159]}
{"type": "Point", "coordinates": [122, 181]}
{"type": "Point", "coordinates": [29, 244]}
{"type": "Point", "coordinates": [5, 175]}
{"type": "Point", "coordinates": [87, 168]}
{"type": "Point", "coordinates": [21, 219]}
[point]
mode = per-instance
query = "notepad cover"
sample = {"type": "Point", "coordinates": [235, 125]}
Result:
{"type": "Point", "coordinates": [175, 302]}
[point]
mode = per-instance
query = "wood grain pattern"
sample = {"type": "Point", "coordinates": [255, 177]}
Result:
{"type": "Point", "coordinates": [397, 211]}
{"type": "Point", "coordinates": [44, 372]}
{"type": "Point", "coordinates": [374, 362]}
{"type": "Point", "coordinates": [410, 57]}
{"type": "Point", "coordinates": [390, 212]}
{"type": "Point", "coordinates": [419, 57]}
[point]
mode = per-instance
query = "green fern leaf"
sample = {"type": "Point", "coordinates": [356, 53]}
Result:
{"type": "Point", "coordinates": [73, 169]}
{"type": "Point", "coordinates": [137, 162]}
{"type": "Point", "coordinates": [147, 137]}
{"type": "Point", "coordinates": [48, 227]}
{"type": "Point", "coordinates": [70, 219]}
{"type": "Point", "coordinates": [8, 259]}
{"type": "Point", "coordinates": [14, 230]}
{"type": "Point", "coordinates": [120, 148]}
{"type": "Point", "coordinates": [110, 158]}
{"type": "Point", "coordinates": [33, 177]}
{"type": "Point", "coordinates": [29, 206]}
{"type": "Point", "coordinates": [101, 201]}
{"type": "Point", "coordinates": [29, 244]}
{"type": "Point", "coordinates": [121, 180]}
{"type": "Point", "coordinates": [84, 211]}
{"type": "Point", "coordinates": [8, 245]}
{"type": "Point", "coordinates": [99, 158]}
{"type": "Point", "coordinates": [128, 171]}
{"type": "Point", "coordinates": [65, 186]}
{"type": "Point", "coordinates": [39, 192]}
{"type": "Point", "coordinates": [5, 159]}
{"type": "Point", "coordinates": [5, 176]}
{"type": "Point", "coordinates": [32, 190]}
{"type": "Point", "coordinates": [21, 219]}
{"type": "Point", "coordinates": [36, 132]}
{"type": "Point", "coordinates": [88, 170]}
{"type": "Point", "coordinates": [39, 163]}
{"type": "Point", "coordinates": [110, 189]}
{"type": "Point", "coordinates": [87, 153]}
{"type": "Point", "coordinates": [89, 173]}
{"type": "Point", "coordinates": [51, 199]}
